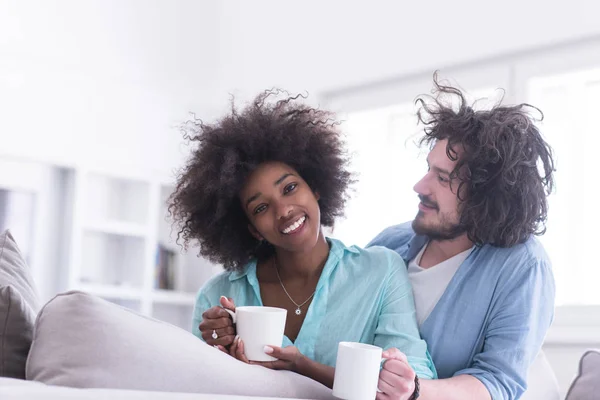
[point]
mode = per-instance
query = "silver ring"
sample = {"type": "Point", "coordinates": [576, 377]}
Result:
{"type": "Point", "coordinates": [214, 335]}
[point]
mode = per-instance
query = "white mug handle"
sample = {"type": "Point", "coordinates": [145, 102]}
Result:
{"type": "Point", "coordinates": [232, 313]}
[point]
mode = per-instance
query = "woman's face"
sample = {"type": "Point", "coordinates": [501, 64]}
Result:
{"type": "Point", "coordinates": [281, 207]}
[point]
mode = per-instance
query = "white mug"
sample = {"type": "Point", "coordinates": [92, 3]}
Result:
{"type": "Point", "coordinates": [259, 327]}
{"type": "Point", "coordinates": [357, 371]}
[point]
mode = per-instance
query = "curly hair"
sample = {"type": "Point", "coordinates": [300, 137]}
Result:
{"type": "Point", "coordinates": [205, 202]}
{"type": "Point", "coordinates": [504, 167]}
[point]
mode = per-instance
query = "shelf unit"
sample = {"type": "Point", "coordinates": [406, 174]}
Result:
{"type": "Point", "coordinates": [119, 224]}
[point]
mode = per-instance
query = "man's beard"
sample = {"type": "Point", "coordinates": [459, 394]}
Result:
{"type": "Point", "coordinates": [445, 229]}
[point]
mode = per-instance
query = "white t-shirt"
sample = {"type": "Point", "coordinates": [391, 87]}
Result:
{"type": "Point", "coordinates": [430, 283]}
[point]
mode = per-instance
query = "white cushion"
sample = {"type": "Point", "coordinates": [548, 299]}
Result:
{"type": "Point", "coordinates": [85, 342]}
{"type": "Point", "coordinates": [17, 389]}
{"type": "Point", "coordinates": [541, 383]}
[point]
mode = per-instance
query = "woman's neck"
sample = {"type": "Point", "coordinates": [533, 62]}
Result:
{"type": "Point", "coordinates": [303, 265]}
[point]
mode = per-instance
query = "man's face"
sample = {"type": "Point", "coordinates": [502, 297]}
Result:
{"type": "Point", "coordinates": [438, 215]}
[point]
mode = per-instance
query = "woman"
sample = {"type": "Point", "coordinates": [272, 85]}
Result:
{"type": "Point", "coordinates": [255, 194]}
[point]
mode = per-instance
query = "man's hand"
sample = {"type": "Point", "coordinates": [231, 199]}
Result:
{"type": "Point", "coordinates": [397, 378]}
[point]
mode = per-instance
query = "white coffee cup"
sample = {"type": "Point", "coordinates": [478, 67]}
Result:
{"type": "Point", "coordinates": [259, 327]}
{"type": "Point", "coordinates": [356, 371]}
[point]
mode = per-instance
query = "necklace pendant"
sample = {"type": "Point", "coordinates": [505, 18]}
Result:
{"type": "Point", "coordinates": [298, 311]}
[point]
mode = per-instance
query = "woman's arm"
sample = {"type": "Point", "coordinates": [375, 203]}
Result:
{"type": "Point", "coordinates": [318, 372]}
{"type": "Point", "coordinates": [288, 358]}
{"type": "Point", "coordinates": [397, 323]}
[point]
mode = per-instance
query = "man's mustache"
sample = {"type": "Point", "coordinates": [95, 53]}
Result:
{"type": "Point", "coordinates": [427, 202]}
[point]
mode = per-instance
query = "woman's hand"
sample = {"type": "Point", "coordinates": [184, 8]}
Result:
{"type": "Point", "coordinates": [397, 378]}
{"type": "Point", "coordinates": [217, 320]}
{"type": "Point", "coordinates": [288, 358]}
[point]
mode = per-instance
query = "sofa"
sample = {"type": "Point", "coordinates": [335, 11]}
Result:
{"type": "Point", "coordinates": [80, 346]}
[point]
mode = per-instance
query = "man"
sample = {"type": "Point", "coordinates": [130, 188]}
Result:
{"type": "Point", "coordinates": [483, 285]}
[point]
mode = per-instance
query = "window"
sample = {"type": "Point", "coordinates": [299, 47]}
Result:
{"type": "Point", "coordinates": [16, 214]}
{"type": "Point", "coordinates": [387, 162]}
{"type": "Point", "coordinates": [570, 102]}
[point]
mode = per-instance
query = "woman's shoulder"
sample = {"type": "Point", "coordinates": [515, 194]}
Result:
{"type": "Point", "coordinates": [223, 282]}
{"type": "Point", "coordinates": [374, 258]}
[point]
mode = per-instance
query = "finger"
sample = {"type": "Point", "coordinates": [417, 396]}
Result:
{"type": "Point", "coordinates": [227, 303]}
{"type": "Point", "coordinates": [209, 324]}
{"type": "Point", "coordinates": [384, 386]}
{"type": "Point", "coordinates": [382, 396]}
{"type": "Point", "coordinates": [227, 331]}
{"type": "Point", "coordinates": [395, 384]}
{"type": "Point", "coordinates": [222, 348]}
{"type": "Point", "coordinates": [215, 312]}
{"type": "Point", "coordinates": [241, 355]}
{"type": "Point", "coordinates": [221, 341]}
{"type": "Point", "coordinates": [207, 334]}
{"type": "Point", "coordinates": [233, 347]}
{"type": "Point", "coordinates": [277, 352]}
{"type": "Point", "coordinates": [394, 353]}
{"type": "Point", "coordinates": [399, 368]}
{"type": "Point", "coordinates": [224, 340]}
{"type": "Point", "coordinates": [279, 364]}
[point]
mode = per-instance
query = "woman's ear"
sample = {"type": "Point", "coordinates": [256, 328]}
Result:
{"type": "Point", "coordinates": [317, 196]}
{"type": "Point", "coordinates": [255, 233]}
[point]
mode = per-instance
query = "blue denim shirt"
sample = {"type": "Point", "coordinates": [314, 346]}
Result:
{"type": "Point", "coordinates": [363, 295]}
{"type": "Point", "coordinates": [492, 319]}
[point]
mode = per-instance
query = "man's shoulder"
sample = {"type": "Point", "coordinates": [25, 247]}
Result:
{"type": "Point", "coordinates": [528, 254]}
{"type": "Point", "coordinates": [513, 266]}
{"type": "Point", "coordinates": [394, 237]}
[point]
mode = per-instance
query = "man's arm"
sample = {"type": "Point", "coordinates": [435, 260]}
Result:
{"type": "Point", "coordinates": [514, 336]}
{"type": "Point", "coordinates": [462, 387]}
{"type": "Point", "coordinates": [520, 318]}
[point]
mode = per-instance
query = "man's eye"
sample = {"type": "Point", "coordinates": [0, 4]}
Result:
{"type": "Point", "coordinates": [289, 188]}
{"type": "Point", "coordinates": [442, 179]}
{"type": "Point", "coordinates": [260, 209]}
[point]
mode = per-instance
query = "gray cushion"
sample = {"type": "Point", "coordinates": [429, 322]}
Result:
{"type": "Point", "coordinates": [19, 304]}
{"type": "Point", "coordinates": [586, 385]}
{"type": "Point", "coordinates": [86, 342]}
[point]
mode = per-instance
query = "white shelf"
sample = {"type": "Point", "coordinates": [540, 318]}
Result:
{"type": "Point", "coordinates": [173, 297]}
{"type": "Point", "coordinates": [118, 228]}
{"type": "Point", "coordinates": [112, 292]}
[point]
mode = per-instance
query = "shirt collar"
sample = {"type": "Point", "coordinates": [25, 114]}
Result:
{"type": "Point", "coordinates": [413, 247]}
{"type": "Point", "coordinates": [336, 253]}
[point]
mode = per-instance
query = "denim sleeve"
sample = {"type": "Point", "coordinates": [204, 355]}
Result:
{"type": "Point", "coordinates": [397, 323]}
{"type": "Point", "coordinates": [384, 239]}
{"type": "Point", "coordinates": [515, 332]}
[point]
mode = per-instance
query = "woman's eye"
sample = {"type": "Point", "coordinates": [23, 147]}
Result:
{"type": "Point", "coordinates": [442, 179]}
{"type": "Point", "coordinates": [260, 209]}
{"type": "Point", "coordinates": [289, 188]}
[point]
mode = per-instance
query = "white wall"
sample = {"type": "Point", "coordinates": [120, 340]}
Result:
{"type": "Point", "coordinates": [102, 81]}
{"type": "Point", "coordinates": [96, 73]}
{"type": "Point", "coordinates": [324, 45]}
{"type": "Point", "coordinates": [564, 359]}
